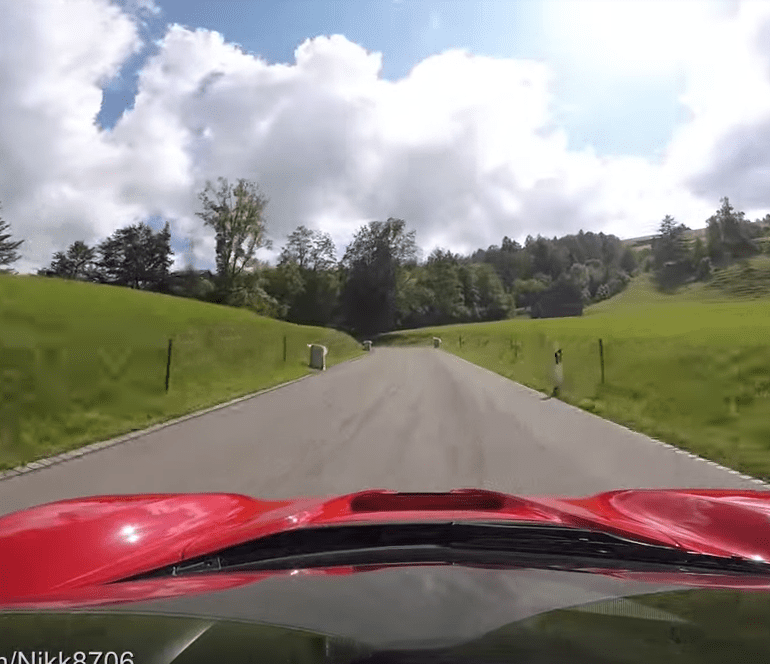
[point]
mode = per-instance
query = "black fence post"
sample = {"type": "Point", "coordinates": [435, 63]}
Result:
{"type": "Point", "coordinates": [168, 364]}
{"type": "Point", "coordinates": [601, 358]}
{"type": "Point", "coordinates": [284, 348]}
{"type": "Point", "coordinates": [461, 341]}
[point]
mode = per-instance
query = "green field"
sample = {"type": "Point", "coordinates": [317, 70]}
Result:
{"type": "Point", "coordinates": [82, 362]}
{"type": "Point", "coordinates": [692, 369]}
{"type": "Point", "coordinates": [744, 279]}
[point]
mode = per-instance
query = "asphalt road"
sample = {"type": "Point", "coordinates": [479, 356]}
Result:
{"type": "Point", "coordinates": [413, 419]}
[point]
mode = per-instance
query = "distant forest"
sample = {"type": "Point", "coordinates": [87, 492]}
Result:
{"type": "Point", "coordinates": [380, 284]}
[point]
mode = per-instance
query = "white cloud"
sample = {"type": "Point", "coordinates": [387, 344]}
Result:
{"type": "Point", "coordinates": [53, 58]}
{"type": "Point", "coordinates": [465, 148]}
{"type": "Point", "coordinates": [725, 149]}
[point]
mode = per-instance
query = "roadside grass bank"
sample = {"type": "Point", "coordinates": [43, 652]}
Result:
{"type": "Point", "coordinates": [691, 369]}
{"type": "Point", "coordinates": [82, 362]}
{"type": "Point", "coordinates": [749, 278]}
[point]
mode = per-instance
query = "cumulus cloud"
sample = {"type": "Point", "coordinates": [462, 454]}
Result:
{"type": "Point", "coordinates": [726, 146]}
{"type": "Point", "coordinates": [54, 57]}
{"type": "Point", "coordinates": [465, 148]}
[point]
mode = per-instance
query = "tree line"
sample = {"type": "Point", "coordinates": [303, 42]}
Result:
{"type": "Point", "coordinates": [380, 283]}
{"type": "Point", "coordinates": [675, 259]}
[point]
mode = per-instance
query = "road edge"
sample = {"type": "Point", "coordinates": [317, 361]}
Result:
{"type": "Point", "coordinates": [679, 450]}
{"type": "Point", "coordinates": [40, 464]}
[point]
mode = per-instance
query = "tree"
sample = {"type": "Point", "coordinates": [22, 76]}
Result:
{"type": "Point", "coordinates": [81, 259]}
{"type": "Point", "coordinates": [670, 243]}
{"type": "Point", "coordinates": [468, 275]}
{"type": "Point", "coordinates": [298, 248]}
{"type": "Point", "coordinates": [237, 215]}
{"type": "Point", "coordinates": [159, 259]}
{"type": "Point", "coordinates": [192, 283]}
{"type": "Point", "coordinates": [527, 291]}
{"type": "Point", "coordinates": [59, 267]}
{"type": "Point", "coordinates": [413, 298]}
{"type": "Point", "coordinates": [596, 274]}
{"type": "Point", "coordinates": [319, 300]}
{"type": "Point", "coordinates": [135, 257]}
{"type": "Point", "coordinates": [628, 261]}
{"type": "Point", "coordinates": [442, 256]}
{"type": "Point", "coordinates": [563, 298]}
{"type": "Point", "coordinates": [8, 253]}
{"type": "Point", "coordinates": [698, 251]}
{"type": "Point", "coordinates": [285, 284]}
{"type": "Point", "coordinates": [510, 261]}
{"type": "Point", "coordinates": [586, 246]}
{"type": "Point", "coordinates": [371, 265]}
{"type": "Point", "coordinates": [310, 250]}
{"type": "Point", "coordinates": [324, 254]}
{"type": "Point", "coordinates": [78, 262]}
{"type": "Point", "coordinates": [247, 292]}
{"type": "Point", "coordinates": [714, 241]}
{"type": "Point", "coordinates": [309, 284]}
{"type": "Point", "coordinates": [578, 275]}
{"type": "Point", "coordinates": [547, 257]}
{"type": "Point", "coordinates": [611, 250]}
{"type": "Point", "coordinates": [603, 292]}
{"type": "Point", "coordinates": [510, 246]}
{"type": "Point", "coordinates": [441, 276]}
{"type": "Point", "coordinates": [703, 269]}
{"type": "Point", "coordinates": [729, 235]}
{"type": "Point", "coordinates": [493, 302]}
{"type": "Point", "coordinates": [671, 254]}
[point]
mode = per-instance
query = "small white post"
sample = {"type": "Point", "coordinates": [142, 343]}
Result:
{"type": "Point", "coordinates": [318, 356]}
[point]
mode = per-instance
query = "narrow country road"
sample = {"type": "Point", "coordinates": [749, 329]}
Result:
{"type": "Point", "coordinates": [404, 419]}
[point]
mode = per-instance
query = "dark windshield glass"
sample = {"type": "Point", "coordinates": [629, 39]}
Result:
{"type": "Point", "coordinates": [683, 627]}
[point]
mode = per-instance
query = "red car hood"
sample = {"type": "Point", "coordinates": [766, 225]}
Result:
{"type": "Point", "coordinates": [65, 553]}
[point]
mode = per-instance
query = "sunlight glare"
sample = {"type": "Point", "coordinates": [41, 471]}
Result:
{"type": "Point", "coordinates": [633, 37]}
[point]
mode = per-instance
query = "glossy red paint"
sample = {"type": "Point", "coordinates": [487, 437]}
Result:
{"type": "Point", "coordinates": [81, 542]}
{"type": "Point", "coordinates": [720, 522]}
{"type": "Point", "coordinates": [67, 553]}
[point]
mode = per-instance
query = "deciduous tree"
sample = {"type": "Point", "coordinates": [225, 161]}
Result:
{"type": "Point", "coordinates": [237, 215]}
{"type": "Point", "coordinates": [371, 265]}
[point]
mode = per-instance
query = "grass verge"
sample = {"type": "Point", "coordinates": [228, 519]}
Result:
{"type": "Point", "coordinates": [691, 369]}
{"type": "Point", "coordinates": [83, 362]}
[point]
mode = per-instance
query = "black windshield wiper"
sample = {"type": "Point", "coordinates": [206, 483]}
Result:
{"type": "Point", "coordinates": [453, 543]}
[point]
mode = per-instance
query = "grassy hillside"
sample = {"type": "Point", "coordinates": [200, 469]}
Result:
{"type": "Point", "coordinates": [745, 279]}
{"type": "Point", "coordinates": [81, 362]}
{"type": "Point", "coordinates": [645, 241]}
{"type": "Point", "coordinates": [692, 369]}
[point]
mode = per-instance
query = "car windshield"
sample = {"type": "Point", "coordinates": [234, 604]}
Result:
{"type": "Point", "coordinates": [395, 322]}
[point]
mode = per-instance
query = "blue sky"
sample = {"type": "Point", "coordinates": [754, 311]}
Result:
{"type": "Point", "coordinates": [469, 119]}
{"type": "Point", "coordinates": [408, 31]}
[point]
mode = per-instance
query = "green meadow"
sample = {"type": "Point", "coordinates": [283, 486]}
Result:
{"type": "Point", "coordinates": [82, 362]}
{"type": "Point", "coordinates": [690, 368]}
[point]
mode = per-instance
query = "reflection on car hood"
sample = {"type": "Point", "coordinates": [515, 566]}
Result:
{"type": "Point", "coordinates": [68, 551]}
{"type": "Point", "coordinates": [360, 626]}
